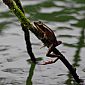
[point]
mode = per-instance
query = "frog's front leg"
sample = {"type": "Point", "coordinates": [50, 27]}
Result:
{"type": "Point", "coordinates": [44, 37]}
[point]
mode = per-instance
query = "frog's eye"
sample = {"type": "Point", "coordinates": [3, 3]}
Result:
{"type": "Point", "coordinates": [40, 23]}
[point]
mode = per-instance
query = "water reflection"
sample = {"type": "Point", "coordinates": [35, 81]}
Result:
{"type": "Point", "coordinates": [80, 44]}
{"type": "Point", "coordinates": [31, 72]}
{"type": "Point", "coordinates": [77, 56]}
{"type": "Point", "coordinates": [3, 25]}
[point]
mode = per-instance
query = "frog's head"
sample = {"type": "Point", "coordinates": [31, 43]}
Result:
{"type": "Point", "coordinates": [38, 24]}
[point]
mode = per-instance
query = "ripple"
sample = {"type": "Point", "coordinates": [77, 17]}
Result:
{"type": "Point", "coordinates": [15, 70]}
{"type": "Point", "coordinates": [51, 9]}
{"type": "Point", "coordinates": [4, 47]}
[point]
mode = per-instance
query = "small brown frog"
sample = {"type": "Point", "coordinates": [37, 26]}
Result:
{"type": "Point", "coordinates": [50, 37]}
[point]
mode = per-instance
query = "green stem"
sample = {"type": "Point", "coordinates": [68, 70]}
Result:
{"type": "Point", "coordinates": [26, 22]}
{"type": "Point", "coordinates": [14, 8]}
{"type": "Point", "coordinates": [18, 3]}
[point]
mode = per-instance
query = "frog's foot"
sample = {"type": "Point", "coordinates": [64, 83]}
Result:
{"type": "Point", "coordinates": [48, 62]}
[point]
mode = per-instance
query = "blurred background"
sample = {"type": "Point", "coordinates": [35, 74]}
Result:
{"type": "Point", "coordinates": [66, 18]}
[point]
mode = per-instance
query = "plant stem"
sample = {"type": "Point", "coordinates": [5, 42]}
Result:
{"type": "Point", "coordinates": [26, 23]}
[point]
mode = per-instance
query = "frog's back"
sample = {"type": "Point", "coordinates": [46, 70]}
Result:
{"type": "Point", "coordinates": [49, 33]}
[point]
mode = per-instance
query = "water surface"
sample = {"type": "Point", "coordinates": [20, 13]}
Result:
{"type": "Point", "coordinates": [67, 19]}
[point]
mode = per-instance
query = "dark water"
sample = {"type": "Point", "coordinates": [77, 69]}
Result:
{"type": "Point", "coordinates": [67, 20]}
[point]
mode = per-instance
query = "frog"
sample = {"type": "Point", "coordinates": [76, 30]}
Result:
{"type": "Point", "coordinates": [48, 35]}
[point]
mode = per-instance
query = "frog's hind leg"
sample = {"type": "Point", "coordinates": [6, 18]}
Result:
{"type": "Point", "coordinates": [49, 54]}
